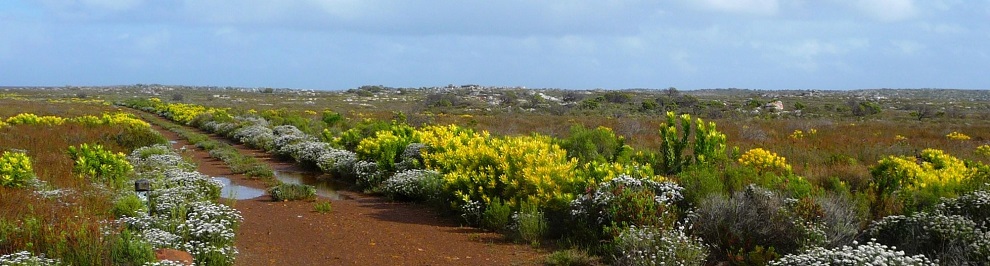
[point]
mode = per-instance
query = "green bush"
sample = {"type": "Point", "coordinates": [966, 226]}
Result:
{"type": "Point", "coordinates": [496, 216]}
{"type": "Point", "coordinates": [292, 192]}
{"type": "Point", "coordinates": [570, 257]}
{"type": "Point", "coordinates": [531, 223]}
{"type": "Point", "coordinates": [323, 206]}
{"type": "Point", "coordinates": [700, 182]}
{"type": "Point", "coordinates": [593, 145]}
{"type": "Point", "coordinates": [708, 145]}
{"type": "Point", "coordinates": [101, 165]}
{"type": "Point", "coordinates": [15, 169]}
{"type": "Point", "coordinates": [130, 249]}
{"type": "Point", "coordinates": [129, 205]}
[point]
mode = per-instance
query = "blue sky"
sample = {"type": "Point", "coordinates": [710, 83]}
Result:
{"type": "Point", "coordinates": [341, 44]}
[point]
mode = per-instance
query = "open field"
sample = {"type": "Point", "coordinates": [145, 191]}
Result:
{"type": "Point", "coordinates": [617, 177]}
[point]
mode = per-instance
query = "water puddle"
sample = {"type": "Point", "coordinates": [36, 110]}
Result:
{"type": "Point", "coordinates": [323, 188]}
{"type": "Point", "coordinates": [173, 142]}
{"type": "Point", "coordinates": [237, 192]}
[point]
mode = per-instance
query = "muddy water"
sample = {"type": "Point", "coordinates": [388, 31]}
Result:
{"type": "Point", "coordinates": [237, 192]}
{"type": "Point", "coordinates": [323, 188]}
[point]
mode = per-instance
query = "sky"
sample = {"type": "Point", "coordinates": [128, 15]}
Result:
{"type": "Point", "coordinates": [342, 44]}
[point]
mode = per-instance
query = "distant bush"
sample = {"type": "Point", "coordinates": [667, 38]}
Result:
{"type": "Point", "coordinates": [128, 205]}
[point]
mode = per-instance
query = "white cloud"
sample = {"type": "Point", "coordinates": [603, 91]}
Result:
{"type": "Point", "coordinates": [887, 10]}
{"type": "Point", "coordinates": [754, 7]}
{"type": "Point", "coordinates": [907, 47]}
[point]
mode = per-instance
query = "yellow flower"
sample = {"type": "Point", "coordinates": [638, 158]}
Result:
{"type": "Point", "coordinates": [957, 136]}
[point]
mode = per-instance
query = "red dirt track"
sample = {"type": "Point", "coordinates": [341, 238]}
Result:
{"type": "Point", "coordinates": [361, 229]}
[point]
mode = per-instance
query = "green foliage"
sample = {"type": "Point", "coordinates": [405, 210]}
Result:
{"type": "Point", "coordinates": [323, 206]}
{"type": "Point", "coordinates": [700, 182]}
{"type": "Point", "coordinates": [129, 205]}
{"type": "Point", "coordinates": [708, 145]}
{"type": "Point", "coordinates": [100, 164]}
{"type": "Point", "coordinates": [496, 215]}
{"type": "Point", "coordinates": [130, 249]}
{"type": "Point", "coordinates": [350, 139]}
{"type": "Point", "coordinates": [331, 118]}
{"type": "Point", "coordinates": [292, 192]}
{"type": "Point", "coordinates": [15, 169]}
{"type": "Point", "coordinates": [570, 257]}
{"type": "Point", "coordinates": [918, 183]}
{"type": "Point", "coordinates": [531, 223]}
{"type": "Point", "coordinates": [593, 145]}
{"type": "Point", "coordinates": [386, 146]}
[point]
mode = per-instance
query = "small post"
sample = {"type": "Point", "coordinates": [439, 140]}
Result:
{"type": "Point", "coordinates": [142, 187]}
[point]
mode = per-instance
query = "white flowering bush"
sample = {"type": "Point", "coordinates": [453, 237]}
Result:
{"type": "Point", "coordinates": [308, 152]}
{"type": "Point", "coordinates": [367, 174]}
{"type": "Point", "coordinates": [256, 136]}
{"type": "Point", "coordinates": [628, 201]}
{"type": "Point", "coordinates": [869, 254]}
{"type": "Point", "coordinates": [25, 258]}
{"type": "Point", "coordinates": [413, 184]}
{"type": "Point", "coordinates": [975, 206]}
{"type": "Point", "coordinates": [951, 239]}
{"type": "Point", "coordinates": [184, 213]}
{"type": "Point", "coordinates": [658, 246]}
{"type": "Point", "coordinates": [338, 162]}
{"type": "Point", "coordinates": [221, 128]}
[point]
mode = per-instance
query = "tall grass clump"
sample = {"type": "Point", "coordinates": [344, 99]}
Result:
{"type": "Point", "coordinates": [292, 192]}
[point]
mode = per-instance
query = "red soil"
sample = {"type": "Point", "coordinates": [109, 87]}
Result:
{"type": "Point", "coordinates": [361, 229]}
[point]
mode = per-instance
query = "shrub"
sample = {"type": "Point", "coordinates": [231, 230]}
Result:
{"type": "Point", "coordinates": [700, 182]}
{"type": "Point", "coordinates": [385, 146]}
{"type": "Point", "coordinates": [496, 216]}
{"type": "Point", "coordinates": [323, 207]}
{"type": "Point", "coordinates": [15, 169]}
{"type": "Point", "coordinates": [957, 136]}
{"type": "Point", "coordinates": [337, 162]}
{"type": "Point", "coordinates": [593, 145]}
{"type": "Point", "coordinates": [25, 258]}
{"type": "Point", "coordinates": [975, 206]}
{"type": "Point", "coordinates": [292, 192]}
{"type": "Point", "coordinates": [129, 205]}
{"type": "Point", "coordinates": [984, 151]}
{"type": "Point", "coordinates": [368, 175]}
{"type": "Point", "coordinates": [130, 248]}
{"type": "Point", "coordinates": [754, 225]}
{"type": "Point", "coordinates": [626, 201]}
{"type": "Point", "coordinates": [100, 164]}
{"type": "Point", "coordinates": [530, 223]}
{"type": "Point", "coordinates": [412, 157]}
{"type": "Point", "coordinates": [413, 184]}
{"type": "Point", "coordinates": [951, 239]}
{"type": "Point", "coordinates": [256, 136]}
{"type": "Point", "coordinates": [765, 161]}
{"type": "Point", "coordinates": [709, 144]}
{"type": "Point", "coordinates": [920, 182]}
{"type": "Point", "coordinates": [871, 253]}
{"type": "Point", "coordinates": [570, 257]}
{"type": "Point", "coordinates": [658, 246]}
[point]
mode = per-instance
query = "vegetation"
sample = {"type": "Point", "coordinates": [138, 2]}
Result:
{"type": "Point", "coordinates": [631, 177]}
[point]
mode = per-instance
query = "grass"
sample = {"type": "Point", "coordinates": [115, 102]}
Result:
{"type": "Point", "coordinates": [323, 207]}
{"type": "Point", "coordinates": [285, 192]}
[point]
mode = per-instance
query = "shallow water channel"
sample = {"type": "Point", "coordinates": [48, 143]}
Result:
{"type": "Point", "coordinates": [239, 192]}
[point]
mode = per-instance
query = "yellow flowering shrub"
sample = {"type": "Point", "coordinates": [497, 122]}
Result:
{"type": "Point", "coordinates": [15, 169]}
{"type": "Point", "coordinates": [33, 119]}
{"type": "Point", "coordinates": [957, 136]}
{"type": "Point", "coordinates": [3, 124]}
{"type": "Point", "coordinates": [983, 150]}
{"type": "Point", "coordinates": [479, 167]}
{"type": "Point", "coordinates": [764, 161]}
{"type": "Point", "coordinates": [385, 147]}
{"type": "Point", "coordinates": [900, 138]}
{"type": "Point", "coordinates": [923, 179]}
{"type": "Point", "coordinates": [117, 119]}
{"type": "Point", "coordinates": [100, 164]}
{"type": "Point", "coordinates": [600, 172]}
{"type": "Point", "coordinates": [797, 134]}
